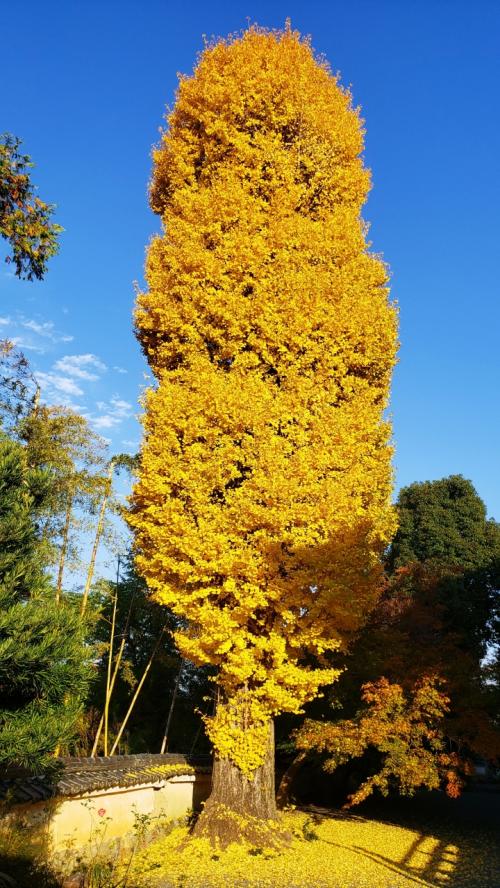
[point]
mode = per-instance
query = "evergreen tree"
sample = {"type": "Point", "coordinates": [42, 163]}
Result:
{"type": "Point", "coordinates": [443, 528]}
{"type": "Point", "coordinates": [443, 521]}
{"type": "Point", "coordinates": [43, 670]}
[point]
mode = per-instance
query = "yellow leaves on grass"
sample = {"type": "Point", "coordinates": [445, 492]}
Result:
{"type": "Point", "coordinates": [263, 501]}
{"type": "Point", "coordinates": [326, 853]}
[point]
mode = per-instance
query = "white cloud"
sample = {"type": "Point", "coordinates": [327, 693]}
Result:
{"type": "Point", "coordinates": [107, 421]}
{"type": "Point", "coordinates": [5, 321]}
{"type": "Point", "coordinates": [78, 365]}
{"type": "Point", "coordinates": [21, 343]}
{"type": "Point", "coordinates": [116, 411]}
{"type": "Point", "coordinates": [120, 369]}
{"type": "Point", "coordinates": [121, 407]}
{"type": "Point", "coordinates": [53, 384]}
{"type": "Point", "coordinates": [47, 330]}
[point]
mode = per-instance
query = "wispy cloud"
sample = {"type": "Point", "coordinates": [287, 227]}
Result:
{"type": "Point", "coordinates": [113, 413]}
{"type": "Point", "coordinates": [23, 344]}
{"type": "Point", "coordinates": [81, 366]}
{"type": "Point", "coordinates": [46, 329]}
{"type": "Point", "coordinates": [120, 369]}
{"type": "Point", "coordinates": [53, 384]}
{"type": "Point", "coordinates": [64, 380]}
{"type": "Point", "coordinates": [5, 321]}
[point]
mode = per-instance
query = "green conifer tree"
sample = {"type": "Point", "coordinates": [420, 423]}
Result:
{"type": "Point", "coordinates": [43, 668]}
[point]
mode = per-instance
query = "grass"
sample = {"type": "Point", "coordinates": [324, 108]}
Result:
{"type": "Point", "coordinates": [389, 845]}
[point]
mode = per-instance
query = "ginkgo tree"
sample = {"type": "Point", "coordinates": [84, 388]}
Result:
{"type": "Point", "coordinates": [263, 499]}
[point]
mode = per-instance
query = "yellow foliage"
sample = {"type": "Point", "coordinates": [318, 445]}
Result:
{"type": "Point", "coordinates": [263, 501]}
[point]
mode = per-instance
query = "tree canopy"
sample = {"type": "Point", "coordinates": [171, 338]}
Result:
{"type": "Point", "coordinates": [25, 220]}
{"type": "Point", "coordinates": [263, 499]}
{"type": "Point", "coordinates": [443, 521]}
{"type": "Point", "coordinates": [43, 663]}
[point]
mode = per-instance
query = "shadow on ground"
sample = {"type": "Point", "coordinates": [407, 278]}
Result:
{"type": "Point", "coordinates": [457, 843]}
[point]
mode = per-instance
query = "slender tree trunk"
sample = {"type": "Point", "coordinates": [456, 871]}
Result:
{"type": "Point", "coordinates": [97, 538]}
{"type": "Point", "coordinates": [171, 710]}
{"type": "Point", "coordinates": [241, 808]}
{"type": "Point", "coordinates": [110, 660]}
{"type": "Point", "coordinates": [109, 691]}
{"type": "Point", "coordinates": [283, 794]}
{"type": "Point", "coordinates": [108, 697]}
{"type": "Point", "coordinates": [64, 547]}
{"type": "Point", "coordinates": [136, 694]}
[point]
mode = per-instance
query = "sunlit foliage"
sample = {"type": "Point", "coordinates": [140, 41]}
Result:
{"type": "Point", "coordinates": [404, 728]}
{"type": "Point", "coordinates": [25, 220]}
{"type": "Point", "coordinates": [263, 502]}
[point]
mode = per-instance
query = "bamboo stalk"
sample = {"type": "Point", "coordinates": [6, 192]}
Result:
{"type": "Point", "coordinates": [113, 679]}
{"type": "Point", "coordinates": [171, 710]}
{"type": "Point", "coordinates": [137, 692]}
{"type": "Point", "coordinates": [110, 660]}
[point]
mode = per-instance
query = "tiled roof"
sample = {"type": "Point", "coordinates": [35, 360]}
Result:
{"type": "Point", "coordinates": [83, 775]}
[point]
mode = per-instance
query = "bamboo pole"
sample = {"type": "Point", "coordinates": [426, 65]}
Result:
{"type": "Point", "coordinates": [113, 679]}
{"type": "Point", "coordinates": [137, 692]}
{"type": "Point", "coordinates": [171, 710]}
{"type": "Point", "coordinates": [110, 660]}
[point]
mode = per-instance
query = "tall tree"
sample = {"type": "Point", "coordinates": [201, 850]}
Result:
{"type": "Point", "coordinates": [25, 220]}
{"type": "Point", "coordinates": [263, 501]}
{"type": "Point", "coordinates": [43, 669]}
{"type": "Point", "coordinates": [443, 525]}
{"type": "Point", "coordinates": [61, 441]}
{"type": "Point", "coordinates": [436, 618]}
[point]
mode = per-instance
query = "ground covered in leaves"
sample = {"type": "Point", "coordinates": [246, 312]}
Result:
{"type": "Point", "coordinates": [385, 845]}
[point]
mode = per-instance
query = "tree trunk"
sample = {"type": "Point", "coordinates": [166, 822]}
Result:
{"type": "Point", "coordinates": [64, 547]}
{"type": "Point", "coordinates": [283, 794]}
{"type": "Point", "coordinates": [97, 538]}
{"type": "Point", "coordinates": [164, 741]}
{"type": "Point", "coordinates": [239, 808]}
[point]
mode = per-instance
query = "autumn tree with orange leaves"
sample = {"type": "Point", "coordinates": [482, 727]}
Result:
{"type": "Point", "coordinates": [263, 500]}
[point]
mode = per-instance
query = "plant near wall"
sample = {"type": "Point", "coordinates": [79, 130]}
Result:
{"type": "Point", "coordinates": [263, 500]}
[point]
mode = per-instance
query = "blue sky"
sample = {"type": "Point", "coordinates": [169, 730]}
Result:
{"type": "Point", "coordinates": [85, 86]}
